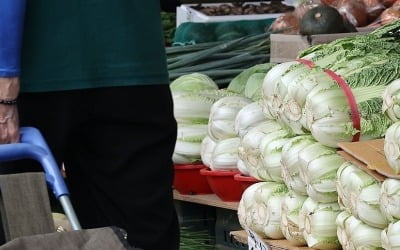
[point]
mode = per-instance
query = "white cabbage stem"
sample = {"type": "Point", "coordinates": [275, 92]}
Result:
{"type": "Point", "coordinates": [293, 75]}
{"type": "Point", "coordinates": [391, 236]}
{"type": "Point", "coordinates": [294, 102]}
{"type": "Point", "coordinates": [188, 143]}
{"type": "Point", "coordinates": [390, 199]}
{"type": "Point", "coordinates": [271, 151]}
{"type": "Point", "coordinates": [249, 148]}
{"type": "Point", "coordinates": [260, 209]}
{"type": "Point", "coordinates": [207, 149]}
{"type": "Point", "coordinates": [363, 236]}
{"type": "Point", "coordinates": [317, 221]}
{"type": "Point", "coordinates": [360, 193]}
{"type": "Point", "coordinates": [343, 184]}
{"type": "Point", "coordinates": [271, 95]}
{"type": "Point", "coordinates": [367, 206]}
{"type": "Point", "coordinates": [329, 118]}
{"type": "Point", "coordinates": [354, 234]}
{"type": "Point", "coordinates": [225, 154]}
{"type": "Point", "coordinates": [242, 167]}
{"type": "Point", "coordinates": [391, 100]}
{"type": "Point", "coordinates": [341, 232]}
{"type": "Point", "coordinates": [270, 197]}
{"type": "Point", "coordinates": [191, 107]}
{"type": "Point", "coordinates": [248, 117]}
{"type": "Point", "coordinates": [291, 206]}
{"type": "Point", "coordinates": [391, 146]}
{"type": "Point", "coordinates": [223, 113]}
{"type": "Point", "coordinates": [246, 203]}
{"type": "Point", "coordinates": [318, 169]}
{"type": "Point", "coordinates": [192, 98]}
{"type": "Point", "coordinates": [290, 163]}
{"type": "Point", "coordinates": [182, 159]}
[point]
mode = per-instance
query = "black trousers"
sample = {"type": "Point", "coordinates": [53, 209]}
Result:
{"type": "Point", "coordinates": [116, 144]}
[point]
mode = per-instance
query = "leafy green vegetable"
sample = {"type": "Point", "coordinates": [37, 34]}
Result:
{"type": "Point", "coordinates": [238, 84]}
{"type": "Point", "coordinates": [253, 89]}
{"type": "Point", "coordinates": [192, 83]}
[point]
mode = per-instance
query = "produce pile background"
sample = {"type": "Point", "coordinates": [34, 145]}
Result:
{"type": "Point", "coordinates": [358, 13]}
{"type": "Point", "coordinates": [169, 26]}
{"type": "Point", "coordinates": [240, 8]}
{"type": "Point", "coordinates": [281, 124]}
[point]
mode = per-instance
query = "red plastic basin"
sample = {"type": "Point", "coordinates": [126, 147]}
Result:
{"type": "Point", "coordinates": [188, 180]}
{"type": "Point", "coordinates": [245, 181]}
{"type": "Point", "coordinates": [223, 184]}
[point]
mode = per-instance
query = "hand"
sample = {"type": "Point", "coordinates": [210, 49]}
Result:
{"type": "Point", "coordinates": [9, 123]}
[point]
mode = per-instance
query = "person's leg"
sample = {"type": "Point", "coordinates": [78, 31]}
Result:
{"type": "Point", "coordinates": [119, 168]}
{"type": "Point", "coordinates": [54, 114]}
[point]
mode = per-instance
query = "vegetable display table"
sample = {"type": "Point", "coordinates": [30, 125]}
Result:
{"type": "Point", "coordinates": [207, 212]}
{"type": "Point", "coordinates": [241, 236]}
{"type": "Point", "coordinates": [229, 234]}
{"type": "Point", "coordinates": [206, 199]}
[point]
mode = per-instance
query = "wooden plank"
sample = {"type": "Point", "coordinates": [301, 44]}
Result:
{"type": "Point", "coordinates": [206, 199]}
{"type": "Point", "coordinates": [241, 236]}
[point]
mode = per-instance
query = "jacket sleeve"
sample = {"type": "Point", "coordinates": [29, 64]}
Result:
{"type": "Point", "coordinates": [12, 14]}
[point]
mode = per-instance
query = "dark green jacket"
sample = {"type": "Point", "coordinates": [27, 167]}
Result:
{"type": "Point", "coordinates": [78, 44]}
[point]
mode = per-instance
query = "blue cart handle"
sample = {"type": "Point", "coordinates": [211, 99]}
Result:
{"type": "Point", "coordinates": [33, 146]}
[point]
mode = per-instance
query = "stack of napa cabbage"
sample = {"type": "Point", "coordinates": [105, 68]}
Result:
{"type": "Point", "coordinates": [283, 127]}
{"type": "Point", "coordinates": [309, 101]}
{"type": "Point", "coordinates": [231, 118]}
{"type": "Point", "coordinates": [308, 114]}
{"type": "Point", "coordinates": [193, 96]}
{"type": "Point", "coordinates": [390, 191]}
{"type": "Point", "coordinates": [361, 223]}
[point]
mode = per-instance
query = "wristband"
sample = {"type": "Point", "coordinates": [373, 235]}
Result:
{"type": "Point", "coordinates": [8, 102]}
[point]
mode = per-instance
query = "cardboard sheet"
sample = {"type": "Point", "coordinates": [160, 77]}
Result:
{"type": "Point", "coordinates": [361, 165]}
{"type": "Point", "coordinates": [370, 156]}
{"type": "Point", "coordinates": [286, 47]}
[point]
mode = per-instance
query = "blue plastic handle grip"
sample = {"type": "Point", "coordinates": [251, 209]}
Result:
{"type": "Point", "coordinates": [33, 146]}
{"type": "Point", "coordinates": [12, 13]}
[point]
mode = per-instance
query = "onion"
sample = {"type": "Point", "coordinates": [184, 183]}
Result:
{"type": "Point", "coordinates": [354, 11]}
{"type": "Point", "coordinates": [388, 3]}
{"type": "Point", "coordinates": [333, 3]}
{"type": "Point", "coordinates": [390, 14]}
{"type": "Point", "coordinates": [288, 23]}
{"type": "Point", "coordinates": [374, 8]}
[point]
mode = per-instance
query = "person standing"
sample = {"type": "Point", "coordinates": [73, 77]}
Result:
{"type": "Point", "coordinates": [93, 79]}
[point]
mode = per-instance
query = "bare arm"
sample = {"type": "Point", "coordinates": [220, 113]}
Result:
{"type": "Point", "coordinates": [9, 124]}
{"type": "Point", "coordinates": [12, 14]}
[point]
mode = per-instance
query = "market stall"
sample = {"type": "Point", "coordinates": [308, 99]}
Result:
{"type": "Point", "coordinates": [295, 127]}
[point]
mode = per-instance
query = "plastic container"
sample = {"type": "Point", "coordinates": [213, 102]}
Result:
{"type": "Point", "coordinates": [245, 181]}
{"type": "Point", "coordinates": [185, 13]}
{"type": "Point", "coordinates": [223, 184]}
{"type": "Point", "coordinates": [188, 180]}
